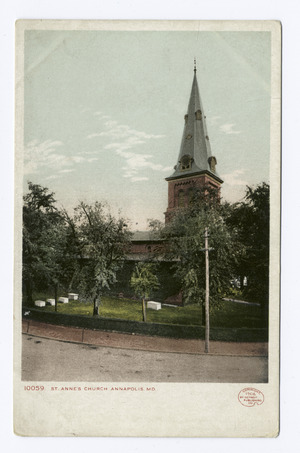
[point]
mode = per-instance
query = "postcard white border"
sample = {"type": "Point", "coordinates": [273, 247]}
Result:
{"type": "Point", "coordinates": [216, 404]}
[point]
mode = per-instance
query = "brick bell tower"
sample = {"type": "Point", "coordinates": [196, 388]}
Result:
{"type": "Point", "coordinates": [196, 167]}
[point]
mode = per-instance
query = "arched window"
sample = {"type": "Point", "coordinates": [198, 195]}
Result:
{"type": "Point", "coordinates": [181, 199]}
{"type": "Point", "coordinates": [191, 195]}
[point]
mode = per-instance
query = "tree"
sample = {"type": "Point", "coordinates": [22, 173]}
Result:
{"type": "Point", "coordinates": [144, 281]}
{"type": "Point", "coordinates": [102, 243]}
{"type": "Point", "coordinates": [185, 236]}
{"type": "Point", "coordinates": [156, 227]}
{"type": "Point", "coordinates": [43, 241]}
{"type": "Point", "coordinates": [74, 253]}
{"type": "Point", "coordinates": [251, 219]}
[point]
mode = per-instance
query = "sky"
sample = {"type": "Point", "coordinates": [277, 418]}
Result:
{"type": "Point", "coordinates": [104, 113]}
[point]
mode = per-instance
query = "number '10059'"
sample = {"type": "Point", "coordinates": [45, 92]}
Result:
{"type": "Point", "coordinates": [34, 387]}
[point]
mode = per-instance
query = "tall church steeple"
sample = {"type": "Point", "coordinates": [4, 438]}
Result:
{"type": "Point", "coordinates": [195, 167]}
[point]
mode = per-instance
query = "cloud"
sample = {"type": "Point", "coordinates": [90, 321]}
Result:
{"type": "Point", "coordinates": [122, 131]}
{"type": "Point", "coordinates": [124, 139]}
{"type": "Point", "coordinates": [136, 162]}
{"type": "Point", "coordinates": [129, 143]}
{"type": "Point", "coordinates": [44, 154]}
{"type": "Point", "coordinates": [227, 129]}
{"type": "Point", "coordinates": [235, 178]}
{"type": "Point", "coordinates": [67, 170]}
{"type": "Point", "coordinates": [101, 116]}
{"type": "Point", "coordinates": [85, 110]}
{"type": "Point", "coordinates": [47, 155]}
{"type": "Point", "coordinates": [78, 159]}
{"type": "Point", "coordinates": [233, 189]}
{"type": "Point", "coordinates": [51, 177]}
{"type": "Point", "coordinates": [213, 120]}
{"type": "Point", "coordinates": [139, 178]}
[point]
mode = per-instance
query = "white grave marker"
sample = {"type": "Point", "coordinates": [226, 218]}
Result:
{"type": "Point", "coordinates": [73, 296]}
{"type": "Point", "coordinates": [153, 305]}
{"type": "Point", "coordinates": [40, 303]}
{"type": "Point", "coordinates": [50, 302]}
{"type": "Point", "coordinates": [63, 300]}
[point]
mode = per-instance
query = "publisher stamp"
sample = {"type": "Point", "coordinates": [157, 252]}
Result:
{"type": "Point", "coordinates": [250, 397]}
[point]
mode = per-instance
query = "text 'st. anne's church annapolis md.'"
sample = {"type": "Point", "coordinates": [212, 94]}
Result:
{"type": "Point", "coordinates": [195, 170]}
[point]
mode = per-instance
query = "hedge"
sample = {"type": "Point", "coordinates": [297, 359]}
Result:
{"type": "Point", "coordinates": [150, 329]}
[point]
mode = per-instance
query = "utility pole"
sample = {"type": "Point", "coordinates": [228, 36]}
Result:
{"type": "Point", "coordinates": [206, 250]}
{"type": "Point", "coordinates": [55, 294]}
{"type": "Point", "coordinates": [206, 291]}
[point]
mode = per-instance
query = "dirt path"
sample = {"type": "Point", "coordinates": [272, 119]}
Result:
{"type": "Point", "coordinates": [46, 359]}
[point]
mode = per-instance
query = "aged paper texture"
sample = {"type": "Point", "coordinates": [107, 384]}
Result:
{"type": "Point", "coordinates": [104, 109]}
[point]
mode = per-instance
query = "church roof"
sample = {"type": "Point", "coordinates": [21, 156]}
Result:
{"type": "Point", "coordinates": [145, 236]}
{"type": "Point", "coordinates": [141, 236]}
{"type": "Point", "coordinates": [195, 152]}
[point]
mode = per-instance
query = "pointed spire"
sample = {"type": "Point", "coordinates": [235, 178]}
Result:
{"type": "Point", "coordinates": [195, 153]}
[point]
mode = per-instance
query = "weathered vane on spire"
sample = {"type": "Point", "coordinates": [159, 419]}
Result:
{"type": "Point", "coordinates": [195, 68]}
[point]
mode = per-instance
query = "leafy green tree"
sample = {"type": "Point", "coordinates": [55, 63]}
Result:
{"type": "Point", "coordinates": [43, 241]}
{"type": "Point", "coordinates": [102, 242]}
{"type": "Point", "coordinates": [156, 227]}
{"type": "Point", "coordinates": [74, 256]}
{"type": "Point", "coordinates": [185, 238]}
{"type": "Point", "coordinates": [251, 219]}
{"type": "Point", "coordinates": [144, 281]}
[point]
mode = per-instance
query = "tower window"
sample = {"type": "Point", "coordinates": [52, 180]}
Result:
{"type": "Point", "coordinates": [186, 162]}
{"type": "Point", "coordinates": [198, 115]}
{"type": "Point", "coordinates": [212, 163]}
{"type": "Point", "coordinates": [181, 199]}
{"type": "Point", "coordinates": [186, 118]}
{"type": "Point", "coordinates": [191, 195]}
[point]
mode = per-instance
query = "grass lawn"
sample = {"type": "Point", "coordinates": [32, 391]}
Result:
{"type": "Point", "coordinates": [229, 314]}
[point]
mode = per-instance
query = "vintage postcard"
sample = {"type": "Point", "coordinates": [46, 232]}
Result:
{"type": "Point", "coordinates": [147, 228]}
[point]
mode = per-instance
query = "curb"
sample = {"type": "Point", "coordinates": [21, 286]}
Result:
{"type": "Point", "coordinates": [118, 340]}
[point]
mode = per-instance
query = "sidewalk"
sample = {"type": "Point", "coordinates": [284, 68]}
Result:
{"type": "Point", "coordinates": [237, 301]}
{"type": "Point", "coordinates": [140, 342]}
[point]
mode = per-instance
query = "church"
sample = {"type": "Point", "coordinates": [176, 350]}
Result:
{"type": "Point", "coordinates": [195, 169]}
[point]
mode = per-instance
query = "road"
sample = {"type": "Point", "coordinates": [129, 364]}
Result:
{"type": "Point", "coordinates": [52, 360]}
